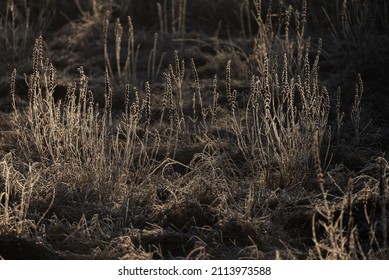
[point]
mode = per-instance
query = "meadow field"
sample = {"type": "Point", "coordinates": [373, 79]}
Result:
{"type": "Point", "coordinates": [175, 129]}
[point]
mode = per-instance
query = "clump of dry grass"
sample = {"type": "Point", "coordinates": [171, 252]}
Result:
{"type": "Point", "coordinates": [353, 226]}
{"type": "Point", "coordinates": [66, 135]}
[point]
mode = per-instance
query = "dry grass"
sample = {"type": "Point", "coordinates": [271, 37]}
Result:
{"type": "Point", "coordinates": [193, 136]}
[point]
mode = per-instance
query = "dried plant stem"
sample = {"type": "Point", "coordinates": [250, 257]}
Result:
{"type": "Point", "coordinates": [178, 76]}
{"type": "Point", "coordinates": [13, 92]}
{"type": "Point", "coordinates": [152, 58]}
{"type": "Point", "coordinates": [318, 168]}
{"type": "Point", "coordinates": [118, 40]}
{"type": "Point", "coordinates": [215, 107]}
{"type": "Point", "coordinates": [108, 98]}
{"type": "Point", "coordinates": [105, 34]}
{"type": "Point", "coordinates": [181, 17]}
{"type": "Point", "coordinates": [339, 114]}
{"type": "Point", "coordinates": [356, 110]}
{"type": "Point", "coordinates": [130, 66]}
{"type": "Point", "coordinates": [198, 92]}
{"type": "Point", "coordinates": [161, 18]}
